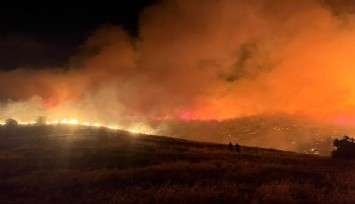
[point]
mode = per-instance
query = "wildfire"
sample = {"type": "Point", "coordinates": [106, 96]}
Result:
{"type": "Point", "coordinates": [78, 123]}
{"type": "Point", "coordinates": [135, 131]}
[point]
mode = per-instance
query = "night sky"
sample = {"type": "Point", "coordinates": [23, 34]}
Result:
{"type": "Point", "coordinates": [37, 33]}
{"type": "Point", "coordinates": [46, 33]}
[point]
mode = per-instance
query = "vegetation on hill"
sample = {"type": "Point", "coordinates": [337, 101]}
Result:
{"type": "Point", "coordinates": [72, 164]}
{"type": "Point", "coordinates": [345, 148]}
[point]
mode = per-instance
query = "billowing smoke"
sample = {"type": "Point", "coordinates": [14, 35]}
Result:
{"type": "Point", "coordinates": [201, 60]}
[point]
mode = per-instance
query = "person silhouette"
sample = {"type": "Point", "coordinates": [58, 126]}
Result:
{"type": "Point", "coordinates": [237, 147]}
{"type": "Point", "coordinates": [230, 147]}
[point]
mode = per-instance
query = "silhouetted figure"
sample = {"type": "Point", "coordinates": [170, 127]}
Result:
{"type": "Point", "coordinates": [230, 147]}
{"type": "Point", "coordinates": [237, 147]}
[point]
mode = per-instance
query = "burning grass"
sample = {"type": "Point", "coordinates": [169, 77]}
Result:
{"type": "Point", "coordinates": [70, 164]}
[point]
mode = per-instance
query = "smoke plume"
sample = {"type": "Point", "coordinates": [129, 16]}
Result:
{"type": "Point", "coordinates": [201, 60]}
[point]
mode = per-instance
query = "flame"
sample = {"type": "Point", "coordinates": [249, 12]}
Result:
{"type": "Point", "coordinates": [135, 131]}
{"type": "Point", "coordinates": [77, 122]}
{"type": "Point", "coordinates": [113, 127]}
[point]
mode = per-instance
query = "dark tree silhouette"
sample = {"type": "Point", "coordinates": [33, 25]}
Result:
{"type": "Point", "coordinates": [345, 148]}
{"type": "Point", "coordinates": [11, 123]}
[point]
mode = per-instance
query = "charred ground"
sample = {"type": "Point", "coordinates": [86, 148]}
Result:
{"type": "Point", "coordinates": [56, 164]}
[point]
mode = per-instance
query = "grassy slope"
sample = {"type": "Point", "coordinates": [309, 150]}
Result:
{"type": "Point", "coordinates": [67, 164]}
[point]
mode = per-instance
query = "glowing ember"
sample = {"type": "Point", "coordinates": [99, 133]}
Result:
{"type": "Point", "coordinates": [135, 131]}
{"type": "Point", "coordinates": [186, 116]}
{"type": "Point", "coordinates": [55, 122]}
{"type": "Point", "coordinates": [73, 121]}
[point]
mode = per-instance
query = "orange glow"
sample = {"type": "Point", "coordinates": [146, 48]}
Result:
{"type": "Point", "coordinates": [76, 122]}
{"type": "Point", "coordinates": [248, 58]}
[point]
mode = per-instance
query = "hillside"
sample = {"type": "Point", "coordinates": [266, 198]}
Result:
{"type": "Point", "coordinates": [283, 132]}
{"type": "Point", "coordinates": [73, 164]}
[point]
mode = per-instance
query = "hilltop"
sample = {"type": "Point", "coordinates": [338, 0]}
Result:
{"type": "Point", "coordinates": [74, 164]}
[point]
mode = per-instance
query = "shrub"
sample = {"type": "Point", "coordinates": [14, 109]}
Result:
{"type": "Point", "coordinates": [11, 122]}
{"type": "Point", "coordinates": [345, 148]}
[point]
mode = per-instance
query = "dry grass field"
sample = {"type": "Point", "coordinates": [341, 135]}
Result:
{"type": "Point", "coordinates": [68, 164]}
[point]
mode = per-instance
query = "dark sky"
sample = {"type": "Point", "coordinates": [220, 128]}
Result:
{"type": "Point", "coordinates": [46, 33]}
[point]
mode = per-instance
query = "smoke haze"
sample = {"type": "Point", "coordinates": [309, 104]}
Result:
{"type": "Point", "coordinates": [201, 60]}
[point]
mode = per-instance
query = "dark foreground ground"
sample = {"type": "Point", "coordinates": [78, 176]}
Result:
{"type": "Point", "coordinates": [64, 164]}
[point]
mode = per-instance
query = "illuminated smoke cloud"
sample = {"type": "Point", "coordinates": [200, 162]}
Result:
{"type": "Point", "coordinates": [202, 60]}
